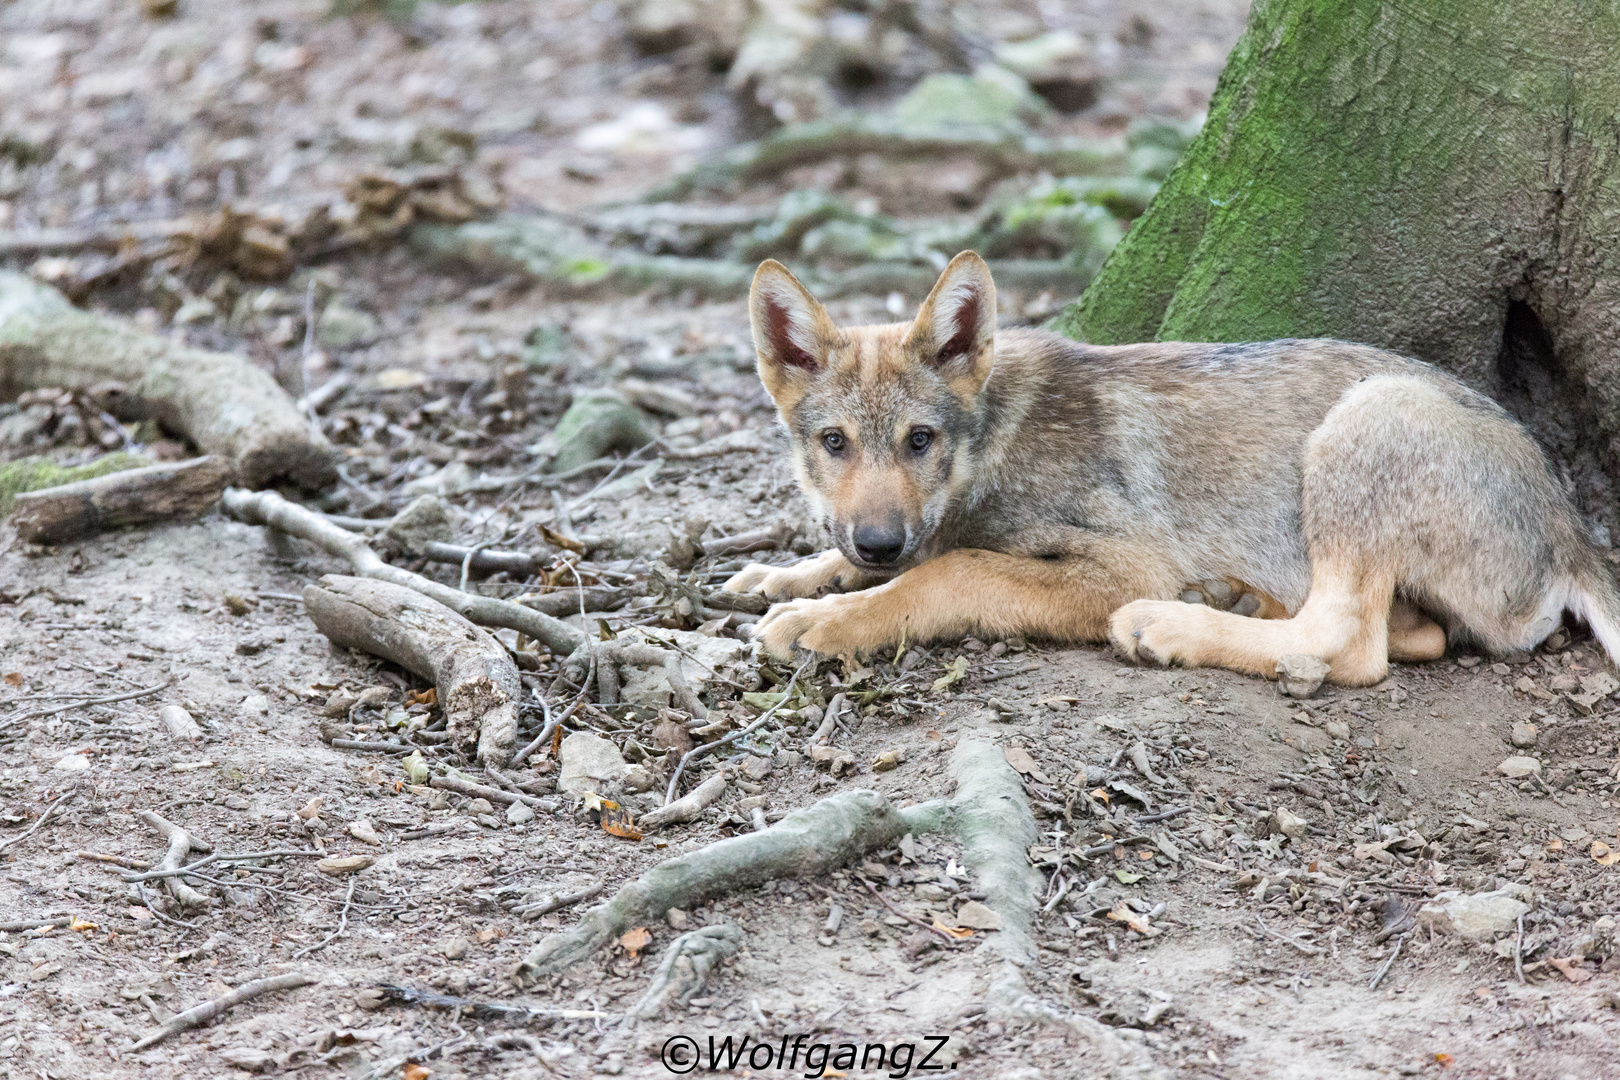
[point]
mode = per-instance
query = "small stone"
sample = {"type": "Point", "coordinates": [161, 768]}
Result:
{"type": "Point", "coordinates": [1467, 661]}
{"type": "Point", "coordinates": [1501, 669]}
{"type": "Point", "coordinates": [1300, 676]}
{"type": "Point", "coordinates": [339, 865]}
{"type": "Point", "coordinates": [363, 831]}
{"type": "Point", "coordinates": [424, 520]}
{"type": "Point", "coordinates": [342, 327]}
{"type": "Point", "coordinates": [339, 704]}
{"type": "Point", "coordinates": [1517, 768]}
{"type": "Point", "coordinates": [235, 802]}
{"type": "Point", "coordinates": [677, 919]}
{"type": "Point", "coordinates": [1291, 824]}
{"type": "Point", "coordinates": [588, 762]}
{"type": "Point", "coordinates": [251, 647]}
{"type": "Point", "coordinates": [1474, 916]}
{"type": "Point", "coordinates": [977, 916]}
{"type": "Point", "coordinates": [519, 813]}
{"type": "Point", "coordinates": [1524, 734]}
{"type": "Point", "coordinates": [72, 763]}
{"type": "Point", "coordinates": [179, 723]}
{"type": "Point", "coordinates": [256, 705]}
{"type": "Point", "coordinates": [638, 778]}
{"type": "Point", "coordinates": [245, 1057]}
{"type": "Point", "coordinates": [237, 605]}
{"type": "Point", "coordinates": [1337, 729]}
{"type": "Point", "coordinates": [598, 421]}
{"type": "Point", "coordinates": [480, 807]}
{"type": "Point", "coordinates": [757, 768]}
{"type": "Point", "coordinates": [454, 948]}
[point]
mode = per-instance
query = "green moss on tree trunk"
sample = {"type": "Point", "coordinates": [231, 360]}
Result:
{"type": "Point", "coordinates": [1437, 177]}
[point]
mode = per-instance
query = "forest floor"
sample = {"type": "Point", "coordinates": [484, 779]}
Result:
{"type": "Point", "coordinates": [1233, 878]}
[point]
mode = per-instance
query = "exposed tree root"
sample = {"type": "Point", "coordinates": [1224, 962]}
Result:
{"type": "Point", "coordinates": [198, 1015]}
{"type": "Point", "coordinates": [989, 815]}
{"type": "Point", "coordinates": [999, 152]}
{"type": "Point", "coordinates": [223, 403]}
{"type": "Point", "coordinates": [268, 508]}
{"type": "Point", "coordinates": [685, 968]}
{"type": "Point", "coordinates": [477, 682]}
{"type": "Point", "coordinates": [129, 497]}
{"type": "Point", "coordinates": [181, 843]}
{"type": "Point", "coordinates": [807, 843]}
{"type": "Point", "coordinates": [554, 253]}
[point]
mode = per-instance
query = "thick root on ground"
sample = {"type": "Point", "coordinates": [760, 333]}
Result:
{"type": "Point", "coordinates": [477, 682]}
{"type": "Point", "coordinates": [222, 402]}
{"type": "Point", "coordinates": [807, 843]}
{"type": "Point", "coordinates": [685, 968]}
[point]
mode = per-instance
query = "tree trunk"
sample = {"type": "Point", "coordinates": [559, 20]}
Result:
{"type": "Point", "coordinates": [1437, 177]}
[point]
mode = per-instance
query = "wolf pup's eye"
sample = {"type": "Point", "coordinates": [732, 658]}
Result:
{"type": "Point", "coordinates": [921, 439]}
{"type": "Point", "coordinates": [834, 441]}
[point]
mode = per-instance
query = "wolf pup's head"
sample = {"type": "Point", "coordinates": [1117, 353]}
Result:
{"type": "Point", "coordinates": [881, 417]}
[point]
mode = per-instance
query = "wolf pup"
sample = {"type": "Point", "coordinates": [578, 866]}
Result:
{"type": "Point", "coordinates": [1022, 483]}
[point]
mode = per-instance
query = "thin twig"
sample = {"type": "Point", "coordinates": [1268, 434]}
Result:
{"type": "Point", "coordinates": [884, 900]}
{"type": "Point", "coordinates": [25, 834]}
{"type": "Point", "coordinates": [151, 906]}
{"type": "Point", "coordinates": [1378, 978]}
{"type": "Point", "coordinates": [130, 696]}
{"type": "Point", "coordinates": [1518, 951]}
{"type": "Point", "coordinates": [1308, 950]}
{"type": "Point", "coordinates": [699, 751]}
{"type": "Point", "coordinates": [343, 924]}
{"type": "Point", "coordinates": [198, 1015]}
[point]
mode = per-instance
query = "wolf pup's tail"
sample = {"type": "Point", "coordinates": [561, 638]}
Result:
{"type": "Point", "coordinates": [1595, 600]}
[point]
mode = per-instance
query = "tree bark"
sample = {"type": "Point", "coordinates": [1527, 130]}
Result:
{"type": "Point", "coordinates": [1439, 178]}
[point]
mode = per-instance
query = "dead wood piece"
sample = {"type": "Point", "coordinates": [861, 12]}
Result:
{"type": "Point", "coordinates": [688, 807]}
{"type": "Point", "coordinates": [389, 994]}
{"type": "Point", "coordinates": [223, 402]}
{"type": "Point", "coordinates": [110, 699]}
{"type": "Point", "coordinates": [610, 654]}
{"type": "Point", "coordinates": [268, 508]}
{"type": "Point", "coordinates": [20, 925]}
{"type": "Point", "coordinates": [477, 682]}
{"type": "Point", "coordinates": [181, 844]}
{"type": "Point", "coordinates": [198, 1015]}
{"type": "Point", "coordinates": [493, 794]}
{"type": "Point", "coordinates": [482, 562]}
{"type": "Point", "coordinates": [179, 724]}
{"type": "Point", "coordinates": [549, 904]}
{"type": "Point", "coordinates": [807, 843]}
{"type": "Point", "coordinates": [767, 539]}
{"type": "Point", "coordinates": [685, 968]}
{"type": "Point", "coordinates": [39, 821]}
{"type": "Point", "coordinates": [131, 497]}
{"type": "Point", "coordinates": [571, 601]}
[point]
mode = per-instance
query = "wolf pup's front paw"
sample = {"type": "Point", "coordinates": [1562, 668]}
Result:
{"type": "Point", "coordinates": [830, 626]}
{"type": "Point", "coordinates": [1162, 632]}
{"type": "Point", "coordinates": [787, 582]}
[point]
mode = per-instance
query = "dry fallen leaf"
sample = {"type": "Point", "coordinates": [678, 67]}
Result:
{"type": "Point", "coordinates": [413, 1071]}
{"type": "Point", "coordinates": [140, 914]}
{"type": "Point", "coordinates": [1098, 793]}
{"type": "Point", "coordinates": [1603, 854]}
{"type": "Point", "coordinates": [14, 678]}
{"type": "Point", "coordinates": [1570, 968]}
{"type": "Point", "coordinates": [1555, 845]}
{"type": "Point", "coordinates": [1020, 759]}
{"type": "Point", "coordinates": [1122, 913]}
{"type": "Point", "coordinates": [633, 941]}
{"type": "Point", "coordinates": [430, 696]}
{"type": "Point", "coordinates": [617, 821]}
{"type": "Point", "coordinates": [1446, 1061]}
{"type": "Point", "coordinates": [957, 933]}
{"type": "Point", "coordinates": [337, 865]}
{"type": "Point", "coordinates": [81, 925]}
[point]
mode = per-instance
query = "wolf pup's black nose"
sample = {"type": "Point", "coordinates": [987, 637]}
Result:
{"type": "Point", "coordinates": [879, 545]}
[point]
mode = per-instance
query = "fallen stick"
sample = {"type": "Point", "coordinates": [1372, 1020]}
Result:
{"type": "Point", "coordinates": [568, 601]}
{"type": "Point", "coordinates": [478, 686]}
{"type": "Point", "coordinates": [481, 561]}
{"type": "Point", "coordinates": [493, 794]}
{"type": "Point", "coordinates": [198, 1015]}
{"type": "Point", "coordinates": [268, 508]}
{"type": "Point", "coordinates": [131, 497]}
{"type": "Point", "coordinates": [807, 843]}
{"type": "Point", "coordinates": [343, 924]}
{"type": "Point", "coordinates": [688, 807]}
{"type": "Point", "coordinates": [181, 843]}
{"type": "Point", "coordinates": [44, 814]}
{"type": "Point", "coordinates": [390, 994]}
{"type": "Point", "coordinates": [557, 903]}
{"type": "Point", "coordinates": [758, 722]}
{"type": "Point", "coordinates": [111, 699]}
{"type": "Point", "coordinates": [222, 402]}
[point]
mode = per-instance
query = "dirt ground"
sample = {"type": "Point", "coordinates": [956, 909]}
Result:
{"type": "Point", "coordinates": [1229, 872]}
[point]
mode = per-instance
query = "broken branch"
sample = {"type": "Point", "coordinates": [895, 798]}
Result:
{"type": "Point", "coordinates": [198, 1015]}
{"type": "Point", "coordinates": [478, 685]}
{"type": "Point", "coordinates": [268, 508]}
{"type": "Point", "coordinates": [687, 808]}
{"type": "Point", "coordinates": [131, 497]}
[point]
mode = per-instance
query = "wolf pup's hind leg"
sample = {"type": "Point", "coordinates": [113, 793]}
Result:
{"type": "Point", "coordinates": [1424, 487]}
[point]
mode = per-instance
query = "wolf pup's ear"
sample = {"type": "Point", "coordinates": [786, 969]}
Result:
{"type": "Point", "coordinates": [956, 328]}
{"type": "Point", "coordinates": [792, 331]}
